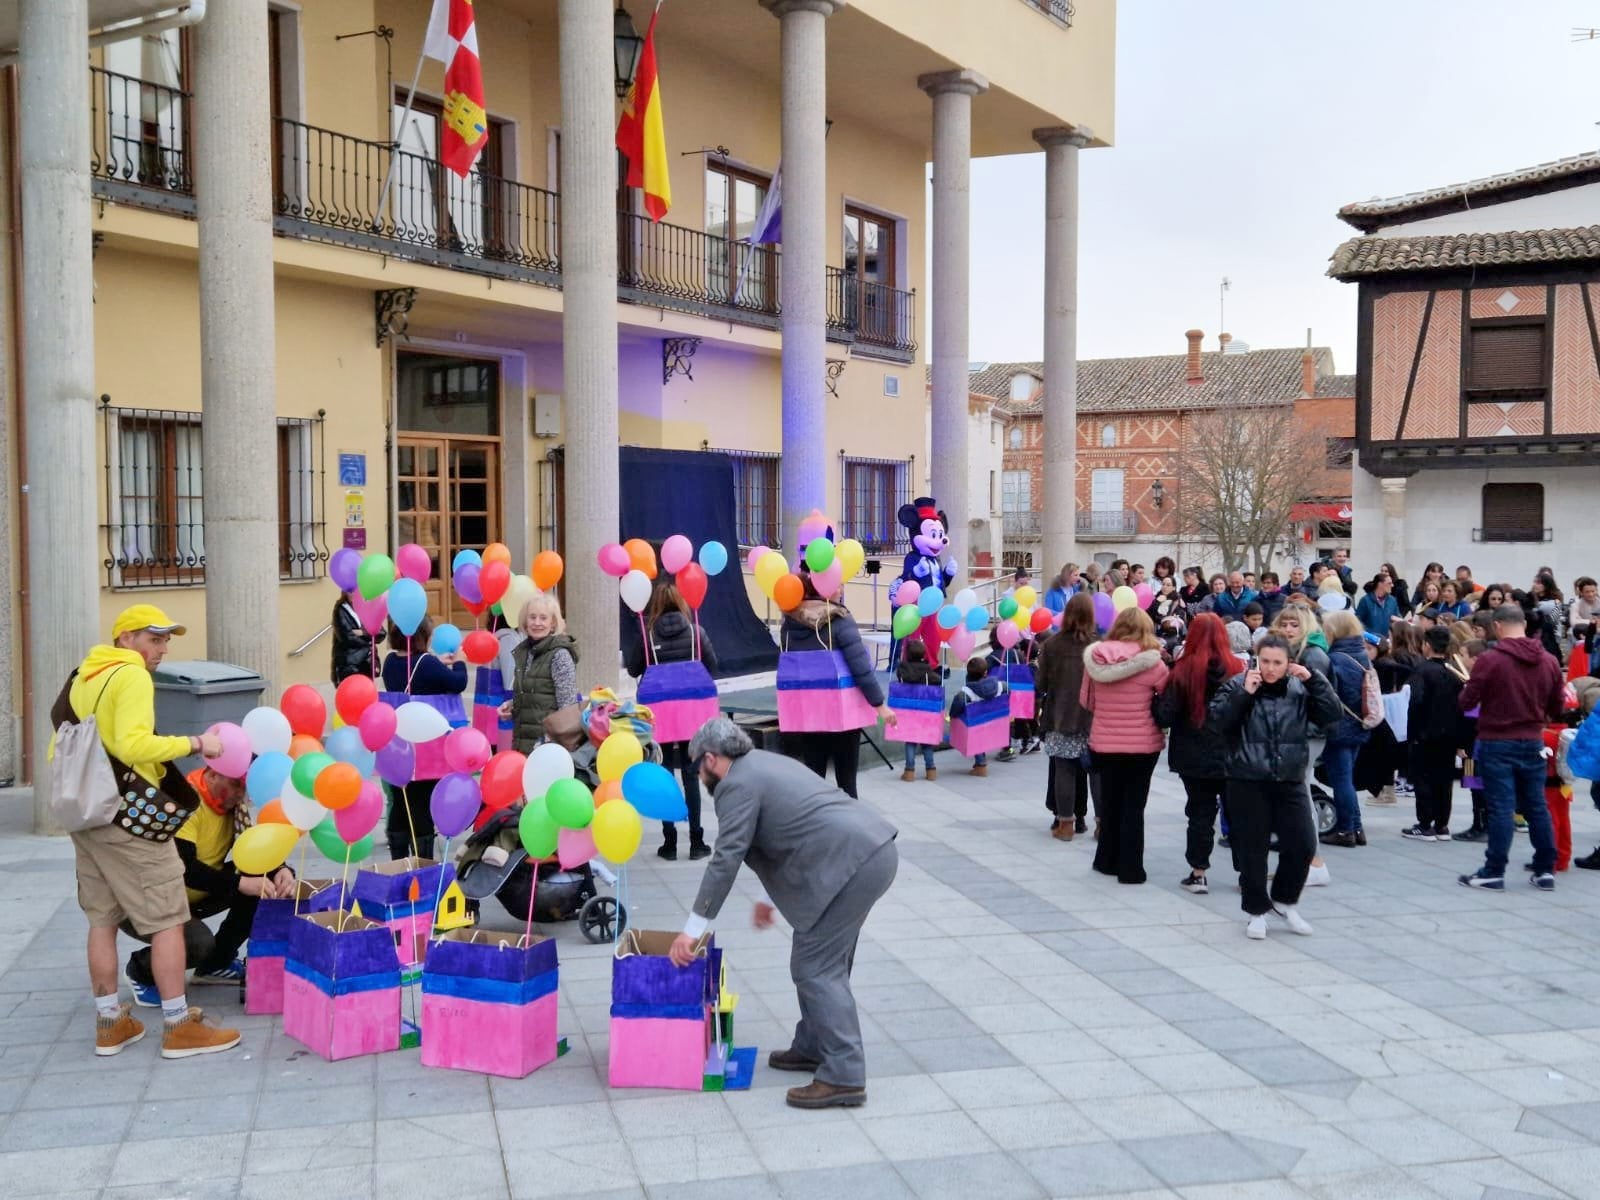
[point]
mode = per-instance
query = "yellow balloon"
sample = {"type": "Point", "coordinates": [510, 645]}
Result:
{"type": "Point", "coordinates": [850, 555]}
{"type": "Point", "coordinates": [516, 598]}
{"type": "Point", "coordinates": [262, 849]}
{"type": "Point", "coordinates": [618, 752]}
{"type": "Point", "coordinates": [1021, 617]}
{"type": "Point", "coordinates": [1124, 597]}
{"type": "Point", "coordinates": [769, 569]}
{"type": "Point", "coordinates": [1025, 596]}
{"type": "Point", "coordinates": [616, 830]}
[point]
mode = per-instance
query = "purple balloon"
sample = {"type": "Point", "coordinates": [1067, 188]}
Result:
{"type": "Point", "coordinates": [466, 581]}
{"type": "Point", "coordinates": [397, 763]}
{"type": "Point", "coordinates": [342, 568]}
{"type": "Point", "coordinates": [455, 803]}
{"type": "Point", "coordinates": [1105, 612]}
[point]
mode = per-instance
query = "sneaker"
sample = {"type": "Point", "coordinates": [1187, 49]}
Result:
{"type": "Point", "coordinates": [1528, 866]}
{"type": "Point", "coordinates": [1335, 837]}
{"type": "Point", "coordinates": [1318, 876]}
{"type": "Point", "coordinates": [1005, 755]}
{"type": "Point", "coordinates": [1403, 789]}
{"type": "Point", "coordinates": [699, 850]}
{"type": "Point", "coordinates": [1361, 837]}
{"type": "Point", "coordinates": [1520, 823]}
{"type": "Point", "coordinates": [193, 1035]}
{"type": "Point", "coordinates": [1488, 883]}
{"type": "Point", "coordinates": [145, 995]}
{"type": "Point", "coordinates": [116, 1034]}
{"type": "Point", "coordinates": [1256, 928]}
{"type": "Point", "coordinates": [1296, 923]}
{"type": "Point", "coordinates": [1033, 747]}
{"type": "Point", "coordinates": [1195, 885]}
{"type": "Point", "coordinates": [1418, 833]}
{"type": "Point", "coordinates": [1474, 834]}
{"type": "Point", "coordinates": [1441, 834]}
{"type": "Point", "coordinates": [1544, 881]}
{"type": "Point", "coordinates": [232, 974]}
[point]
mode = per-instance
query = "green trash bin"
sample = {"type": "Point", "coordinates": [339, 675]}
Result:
{"type": "Point", "coordinates": [193, 696]}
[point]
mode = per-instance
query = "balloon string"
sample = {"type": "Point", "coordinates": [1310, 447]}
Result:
{"type": "Point", "coordinates": [343, 894]}
{"type": "Point", "coordinates": [533, 892]}
{"type": "Point", "coordinates": [405, 803]}
{"type": "Point", "coordinates": [305, 843]}
{"type": "Point", "coordinates": [644, 636]}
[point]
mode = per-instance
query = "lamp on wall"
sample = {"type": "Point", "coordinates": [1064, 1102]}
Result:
{"type": "Point", "coordinates": [1158, 493]}
{"type": "Point", "coordinates": [626, 46]}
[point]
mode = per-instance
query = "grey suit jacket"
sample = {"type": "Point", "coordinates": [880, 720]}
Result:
{"type": "Point", "coordinates": [802, 836]}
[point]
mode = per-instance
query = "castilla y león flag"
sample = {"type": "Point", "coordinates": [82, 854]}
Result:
{"type": "Point", "coordinates": [453, 40]}
{"type": "Point", "coordinates": [641, 134]}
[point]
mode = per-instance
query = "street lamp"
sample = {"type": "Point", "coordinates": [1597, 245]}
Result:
{"type": "Point", "coordinates": [1158, 493]}
{"type": "Point", "coordinates": [626, 46]}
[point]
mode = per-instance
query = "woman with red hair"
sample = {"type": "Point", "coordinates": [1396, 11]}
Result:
{"type": "Point", "coordinates": [1198, 748]}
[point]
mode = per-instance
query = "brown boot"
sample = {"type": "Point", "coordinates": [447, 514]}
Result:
{"type": "Point", "coordinates": [1062, 832]}
{"type": "Point", "coordinates": [908, 775]}
{"type": "Point", "coordinates": [192, 1036]}
{"type": "Point", "coordinates": [933, 773]}
{"type": "Point", "coordinates": [114, 1035]}
{"type": "Point", "coordinates": [981, 770]}
{"type": "Point", "coordinates": [792, 1060]}
{"type": "Point", "coordinates": [817, 1094]}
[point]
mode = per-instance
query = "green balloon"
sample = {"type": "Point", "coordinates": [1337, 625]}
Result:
{"type": "Point", "coordinates": [538, 831]}
{"type": "Point", "coordinates": [1008, 608]}
{"type": "Point", "coordinates": [325, 837]}
{"type": "Point", "coordinates": [360, 850]}
{"type": "Point", "coordinates": [569, 804]}
{"type": "Point", "coordinates": [906, 619]}
{"type": "Point", "coordinates": [819, 554]}
{"type": "Point", "coordinates": [305, 771]}
{"type": "Point", "coordinates": [374, 575]}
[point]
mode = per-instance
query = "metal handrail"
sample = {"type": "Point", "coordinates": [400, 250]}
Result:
{"type": "Point", "coordinates": [311, 641]}
{"type": "Point", "coordinates": [872, 314]}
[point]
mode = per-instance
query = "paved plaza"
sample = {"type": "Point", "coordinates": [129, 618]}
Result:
{"type": "Point", "coordinates": [1033, 1030]}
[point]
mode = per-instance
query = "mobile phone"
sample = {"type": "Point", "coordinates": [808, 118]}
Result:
{"type": "Point", "coordinates": [1250, 662]}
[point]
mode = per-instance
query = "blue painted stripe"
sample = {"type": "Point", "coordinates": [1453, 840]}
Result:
{"type": "Point", "coordinates": [816, 685]}
{"type": "Point", "coordinates": [671, 1012]}
{"type": "Point", "coordinates": [493, 991]}
{"type": "Point", "coordinates": [910, 705]}
{"type": "Point", "coordinates": [350, 986]}
{"type": "Point", "coordinates": [262, 948]}
{"type": "Point", "coordinates": [373, 911]}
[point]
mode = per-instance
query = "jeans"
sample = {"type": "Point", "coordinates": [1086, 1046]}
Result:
{"type": "Point", "coordinates": [911, 756]}
{"type": "Point", "coordinates": [1125, 781]}
{"type": "Point", "coordinates": [1204, 798]}
{"type": "Point", "coordinates": [1513, 781]}
{"type": "Point", "coordinates": [1340, 760]}
{"type": "Point", "coordinates": [1261, 808]}
{"type": "Point", "coordinates": [676, 755]}
{"type": "Point", "coordinates": [980, 760]}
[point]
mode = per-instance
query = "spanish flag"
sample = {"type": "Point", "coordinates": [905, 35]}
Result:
{"type": "Point", "coordinates": [641, 134]}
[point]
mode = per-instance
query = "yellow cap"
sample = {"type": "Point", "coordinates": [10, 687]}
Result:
{"type": "Point", "coordinates": [144, 616]}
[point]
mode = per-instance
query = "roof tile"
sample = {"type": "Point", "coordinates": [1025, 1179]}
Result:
{"type": "Point", "coordinates": [1395, 255]}
{"type": "Point", "coordinates": [1563, 172]}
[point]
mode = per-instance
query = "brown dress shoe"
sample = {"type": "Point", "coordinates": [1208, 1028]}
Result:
{"type": "Point", "coordinates": [980, 769]}
{"type": "Point", "coordinates": [791, 1060]}
{"type": "Point", "coordinates": [817, 1094]}
{"type": "Point", "coordinates": [115, 1035]}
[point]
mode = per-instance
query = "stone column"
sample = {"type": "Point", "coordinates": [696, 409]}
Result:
{"type": "Point", "coordinates": [802, 272]}
{"type": "Point", "coordinates": [233, 198]}
{"type": "Point", "coordinates": [58, 461]}
{"type": "Point", "coordinates": [952, 93]}
{"type": "Point", "coordinates": [1059, 517]}
{"type": "Point", "coordinates": [1394, 518]}
{"type": "Point", "coordinates": [589, 333]}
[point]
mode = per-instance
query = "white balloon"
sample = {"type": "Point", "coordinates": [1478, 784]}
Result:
{"type": "Point", "coordinates": [548, 763]}
{"type": "Point", "coordinates": [303, 811]}
{"type": "Point", "coordinates": [416, 722]}
{"type": "Point", "coordinates": [267, 729]}
{"type": "Point", "coordinates": [1331, 601]}
{"type": "Point", "coordinates": [635, 589]}
{"type": "Point", "coordinates": [966, 600]}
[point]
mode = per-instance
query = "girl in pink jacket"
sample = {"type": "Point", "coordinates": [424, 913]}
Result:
{"type": "Point", "coordinates": [1122, 676]}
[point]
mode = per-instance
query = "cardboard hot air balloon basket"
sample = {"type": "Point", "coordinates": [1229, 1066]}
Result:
{"type": "Point", "coordinates": [489, 1003]}
{"type": "Point", "coordinates": [269, 941]}
{"type": "Point", "coordinates": [919, 709]}
{"type": "Point", "coordinates": [1018, 678]}
{"type": "Point", "coordinates": [818, 694]}
{"type": "Point", "coordinates": [403, 895]}
{"type": "Point", "coordinates": [681, 695]}
{"type": "Point", "coordinates": [984, 726]}
{"type": "Point", "coordinates": [430, 758]}
{"type": "Point", "coordinates": [341, 985]}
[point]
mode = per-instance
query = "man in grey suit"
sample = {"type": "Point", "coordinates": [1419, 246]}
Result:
{"type": "Point", "coordinates": [824, 860]}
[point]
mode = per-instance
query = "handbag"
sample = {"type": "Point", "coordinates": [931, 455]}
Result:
{"type": "Point", "coordinates": [565, 726]}
{"type": "Point", "coordinates": [84, 792]}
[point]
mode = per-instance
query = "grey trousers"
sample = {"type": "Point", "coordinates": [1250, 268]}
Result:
{"type": "Point", "coordinates": [820, 962]}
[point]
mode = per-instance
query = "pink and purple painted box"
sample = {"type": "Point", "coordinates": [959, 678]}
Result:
{"type": "Point", "coordinates": [341, 986]}
{"type": "Point", "coordinates": [660, 1014]}
{"type": "Point", "coordinates": [983, 727]}
{"type": "Point", "coordinates": [488, 693]}
{"type": "Point", "coordinates": [817, 694]}
{"type": "Point", "coordinates": [1018, 678]}
{"type": "Point", "coordinates": [919, 709]}
{"type": "Point", "coordinates": [403, 894]}
{"type": "Point", "coordinates": [269, 941]}
{"type": "Point", "coordinates": [489, 1003]}
{"type": "Point", "coordinates": [431, 763]}
{"type": "Point", "coordinates": [682, 697]}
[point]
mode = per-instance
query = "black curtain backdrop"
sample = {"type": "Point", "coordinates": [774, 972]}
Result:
{"type": "Point", "coordinates": [691, 492]}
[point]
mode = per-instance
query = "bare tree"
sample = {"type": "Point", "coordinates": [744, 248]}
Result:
{"type": "Point", "coordinates": [1241, 471]}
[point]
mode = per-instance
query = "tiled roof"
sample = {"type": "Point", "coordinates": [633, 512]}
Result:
{"type": "Point", "coordinates": [1336, 386]}
{"type": "Point", "coordinates": [1386, 256]}
{"type": "Point", "coordinates": [995, 378]}
{"type": "Point", "coordinates": [1160, 382]}
{"type": "Point", "coordinates": [1563, 172]}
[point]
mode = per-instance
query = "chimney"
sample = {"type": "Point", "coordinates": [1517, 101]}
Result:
{"type": "Point", "coordinates": [1308, 370]}
{"type": "Point", "coordinates": [1195, 336]}
{"type": "Point", "coordinates": [1222, 341]}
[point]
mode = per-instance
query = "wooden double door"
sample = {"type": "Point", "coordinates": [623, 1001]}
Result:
{"type": "Point", "coordinates": [447, 496]}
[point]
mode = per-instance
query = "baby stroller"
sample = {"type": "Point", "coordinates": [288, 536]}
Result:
{"type": "Point", "coordinates": [493, 863]}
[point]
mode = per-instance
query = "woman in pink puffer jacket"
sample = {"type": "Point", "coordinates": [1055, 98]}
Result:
{"type": "Point", "coordinates": [1122, 676]}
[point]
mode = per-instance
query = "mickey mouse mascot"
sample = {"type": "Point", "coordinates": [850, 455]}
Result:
{"type": "Point", "coordinates": [923, 564]}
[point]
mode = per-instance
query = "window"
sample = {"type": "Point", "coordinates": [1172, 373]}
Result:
{"type": "Point", "coordinates": [1022, 386]}
{"type": "Point", "coordinates": [1513, 512]}
{"type": "Point", "coordinates": [1340, 451]}
{"type": "Point", "coordinates": [993, 505]}
{"type": "Point", "coordinates": [738, 271]}
{"type": "Point", "coordinates": [994, 432]}
{"type": "Point", "coordinates": [874, 490]}
{"type": "Point", "coordinates": [429, 204]}
{"type": "Point", "coordinates": [154, 522]}
{"type": "Point", "coordinates": [1108, 436]}
{"type": "Point", "coordinates": [1014, 438]}
{"type": "Point", "coordinates": [148, 122]}
{"type": "Point", "coordinates": [1016, 492]}
{"type": "Point", "coordinates": [757, 483]}
{"type": "Point", "coordinates": [872, 306]}
{"type": "Point", "coordinates": [1105, 490]}
{"type": "Point", "coordinates": [1506, 358]}
{"type": "Point", "coordinates": [439, 393]}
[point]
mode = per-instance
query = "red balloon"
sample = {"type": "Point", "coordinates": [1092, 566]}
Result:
{"type": "Point", "coordinates": [354, 695]}
{"type": "Point", "coordinates": [493, 581]}
{"type": "Point", "coordinates": [480, 646]}
{"type": "Point", "coordinates": [501, 780]}
{"type": "Point", "coordinates": [1040, 620]}
{"type": "Point", "coordinates": [305, 710]}
{"type": "Point", "coordinates": [692, 584]}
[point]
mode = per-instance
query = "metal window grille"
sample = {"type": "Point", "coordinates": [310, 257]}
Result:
{"type": "Point", "coordinates": [757, 497]}
{"type": "Point", "coordinates": [1340, 451]}
{"type": "Point", "coordinates": [874, 490]}
{"type": "Point", "coordinates": [1513, 512]}
{"type": "Point", "coordinates": [302, 526]}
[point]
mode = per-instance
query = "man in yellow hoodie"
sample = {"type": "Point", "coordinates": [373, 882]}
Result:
{"type": "Point", "coordinates": [130, 870]}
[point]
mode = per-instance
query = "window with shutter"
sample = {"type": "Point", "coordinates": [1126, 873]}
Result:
{"type": "Point", "coordinates": [1506, 358]}
{"type": "Point", "coordinates": [1513, 512]}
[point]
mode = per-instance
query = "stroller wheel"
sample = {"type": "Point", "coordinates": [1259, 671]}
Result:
{"type": "Point", "coordinates": [1327, 815]}
{"type": "Point", "coordinates": [602, 919]}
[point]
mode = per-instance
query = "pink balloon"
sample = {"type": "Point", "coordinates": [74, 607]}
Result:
{"type": "Point", "coordinates": [574, 847]}
{"type": "Point", "coordinates": [466, 750]}
{"type": "Point", "coordinates": [962, 643]}
{"type": "Point", "coordinates": [909, 592]}
{"type": "Point", "coordinates": [614, 560]}
{"type": "Point", "coordinates": [355, 821]}
{"type": "Point", "coordinates": [1144, 594]}
{"type": "Point", "coordinates": [757, 553]}
{"type": "Point", "coordinates": [677, 552]}
{"type": "Point", "coordinates": [373, 613]}
{"type": "Point", "coordinates": [376, 727]}
{"type": "Point", "coordinates": [234, 761]}
{"type": "Point", "coordinates": [830, 581]}
{"type": "Point", "coordinates": [412, 562]}
{"type": "Point", "coordinates": [1007, 634]}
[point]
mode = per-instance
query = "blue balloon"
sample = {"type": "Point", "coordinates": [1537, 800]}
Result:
{"type": "Point", "coordinates": [408, 604]}
{"type": "Point", "coordinates": [929, 602]}
{"type": "Point", "coordinates": [446, 640]}
{"type": "Point", "coordinates": [465, 556]}
{"type": "Point", "coordinates": [949, 617]}
{"type": "Point", "coordinates": [977, 619]}
{"type": "Point", "coordinates": [654, 791]}
{"type": "Point", "coordinates": [344, 745]}
{"type": "Point", "coordinates": [713, 557]}
{"type": "Point", "coordinates": [265, 779]}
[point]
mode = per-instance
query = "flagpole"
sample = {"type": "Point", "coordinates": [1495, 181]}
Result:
{"type": "Point", "coordinates": [394, 145]}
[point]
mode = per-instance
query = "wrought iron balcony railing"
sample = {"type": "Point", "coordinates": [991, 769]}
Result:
{"type": "Point", "coordinates": [874, 316]}
{"type": "Point", "coordinates": [1099, 524]}
{"type": "Point", "coordinates": [1056, 10]}
{"type": "Point", "coordinates": [139, 135]}
{"type": "Point", "coordinates": [659, 263]}
{"type": "Point", "coordinates": [1021, 524]}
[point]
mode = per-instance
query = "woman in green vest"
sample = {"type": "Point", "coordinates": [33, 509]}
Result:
{"type": "Point", "coordinates": [545, 671]}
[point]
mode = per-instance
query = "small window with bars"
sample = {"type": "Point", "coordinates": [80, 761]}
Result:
{"type": "Point", "coordinates": [1505, 358]}
{"type": "Point", "coordinates": [757, 497]}
{"type": "Point", "coordinates": [874, 490]}
{"type": "Point", "coordinates": [1513, 512]}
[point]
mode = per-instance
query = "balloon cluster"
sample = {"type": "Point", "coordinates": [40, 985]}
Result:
{"type": "Point", "coordinates": [633, 565]}
{"type": "Point", "coordinates": [830, 565]}
{"type": "Point", "coordinates": [960, 618]}
{"type": "Point", "coordinates": [1106, 607]}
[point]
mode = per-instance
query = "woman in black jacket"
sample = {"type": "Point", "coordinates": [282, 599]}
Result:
{"type": "Point", "coordinates": [1064, 722]}
{"type": "Point", "coordinates": [1197, 748]}
{"type": "Point", "coordinates": [352, 644]}
{"type": "Point", "coordinates": [674, 638]}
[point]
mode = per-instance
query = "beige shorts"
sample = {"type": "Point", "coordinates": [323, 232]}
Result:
{"type": "Point", "coordinates": [122, 877]}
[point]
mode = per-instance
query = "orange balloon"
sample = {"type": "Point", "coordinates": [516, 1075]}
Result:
{"type": "Point", "coordinates": [610, 790]}
{"type": "Point", "coordinates": [272, 814]}
{"type": "Point", "coordinates": [337, 786]}
{"type": "Point", "coordinates": [641, 556]}
{"type": "Point", "coordinates": [788, 592]}
{"type": "Point", "coordinates": [303, 743]}
{"type": "Point", "coordinates": [496, 552]}
{"type": "Point", "coordinates": [547, 568]}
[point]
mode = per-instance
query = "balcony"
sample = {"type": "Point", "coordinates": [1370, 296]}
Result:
{"type": "Point", "coordinates": [326, 187]}
{"type": "Point", "coordinates": [1100, 525]}
{"type": "Point", "coordinates": [1056, 10]}
{"type": "Point", "coordinates": [1020, 526]}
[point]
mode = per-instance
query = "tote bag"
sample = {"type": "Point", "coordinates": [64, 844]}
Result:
{"type": "Point", "coordinates": [84, 793]}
